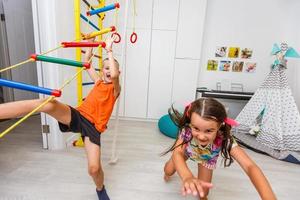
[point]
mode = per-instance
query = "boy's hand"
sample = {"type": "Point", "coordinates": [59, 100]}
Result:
{"type": "Point", "coordinates": [194, 186]}
{"type": "Point", "coordinates": [109, 42]}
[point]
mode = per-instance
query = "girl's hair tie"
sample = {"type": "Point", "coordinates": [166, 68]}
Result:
{"type": "Point", "coordinates": [188, 108]}
{"type": "Point", "coordinates": [231, 122]}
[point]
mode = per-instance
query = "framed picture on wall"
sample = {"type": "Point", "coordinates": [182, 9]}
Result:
{"type": "Point", "coordinates": [233, 52]}
{"type": "Point", "coordinates": [246, 53]}
{"type": "Point", "coordinates": [224, 65]}
{"type": "Point", "coordinates": [212, 65]}
{"type": "Point", "coordinates": [237, 66]}
{"type": "Point", "coordinates": [250, 67]}
{"type": "Point", "coordinates": [221, 51]}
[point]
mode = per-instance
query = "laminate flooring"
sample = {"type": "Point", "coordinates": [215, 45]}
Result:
{"type": "Point", "coordinates": [28, 172]}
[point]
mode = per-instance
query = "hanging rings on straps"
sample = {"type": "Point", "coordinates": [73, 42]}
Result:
{"type": "Point", "coordinates": [133, 37]}
{"type": "Point", "coordinates": [118, 37]}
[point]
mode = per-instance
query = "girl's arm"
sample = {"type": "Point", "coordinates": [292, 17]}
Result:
{"type": "Point", "coordinates": [179, 161]}
{"type": "Point", "coordinates": [254, 173]}
{"type": "Point", "coordinates": [190, 184]}
{"type": "Point", "coordinates": [205, 174]}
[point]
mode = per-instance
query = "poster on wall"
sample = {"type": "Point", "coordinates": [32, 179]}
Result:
{"type": "Point", "coordinates": [221, 51]}
{"type": "Point", "coordinates": [233, 52]}
{"type": "Point", "coordinates": [246, 53]}
{"type": "Point", "coordinates": [212, 65]}
{"type": "Point", "coordinates": [234, 62]}
{"type": "Point", "coordinates": [250, 67]}
{"type": "Point", "coordinates": [237, 66]}
{"type": "Point", "coordinates": [224, 65]}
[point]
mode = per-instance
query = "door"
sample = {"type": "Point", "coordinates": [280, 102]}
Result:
{"type": "Point", "coordinates": [6, 94]}
{"type": "Point", "coordinates": [20, 43]}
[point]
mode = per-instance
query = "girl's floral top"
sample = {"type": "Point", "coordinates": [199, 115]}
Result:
{"type": "Point", "coordinates": [208, 155]}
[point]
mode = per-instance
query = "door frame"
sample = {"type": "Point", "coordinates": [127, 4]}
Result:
{"type": "Point", "coordinates": [8, 94]}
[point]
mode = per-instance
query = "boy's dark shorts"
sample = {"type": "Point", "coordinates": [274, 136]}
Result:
{"type": "Point", "coordinates": [80, 124]}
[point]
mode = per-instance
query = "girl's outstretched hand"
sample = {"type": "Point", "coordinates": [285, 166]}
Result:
{"type": "Point", "coordinates": [194, 186]}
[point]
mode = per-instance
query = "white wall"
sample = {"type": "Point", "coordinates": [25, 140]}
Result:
{"type": "Point", "coordinates": [151, 69]}
{"type": "Point", "coordinates": [45, 35]}
{"type": "Point", "coordinates": [254, 24]}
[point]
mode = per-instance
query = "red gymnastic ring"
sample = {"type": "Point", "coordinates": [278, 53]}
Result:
{"type": "Point", "coordinates": [133, 37]}
{"type": "Point", "coordinates": [118, 37]}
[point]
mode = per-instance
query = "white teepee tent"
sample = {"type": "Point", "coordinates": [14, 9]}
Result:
{"type": "Point", "coordinates": [272, 113]}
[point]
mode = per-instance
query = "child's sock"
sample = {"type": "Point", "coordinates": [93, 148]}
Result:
{"type": "Point", "coordinates": [102, 195]}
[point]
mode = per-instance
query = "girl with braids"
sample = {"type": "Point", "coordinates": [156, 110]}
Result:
{"type": "Point", "coordinates": [204, 133]}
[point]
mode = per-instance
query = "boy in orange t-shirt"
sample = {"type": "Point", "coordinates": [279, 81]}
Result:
{"type": "Point", "coordinates": [90, 118]}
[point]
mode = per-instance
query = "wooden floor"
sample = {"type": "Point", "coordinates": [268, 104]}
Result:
{"type": "Point", "coordinates": [27, 172]}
